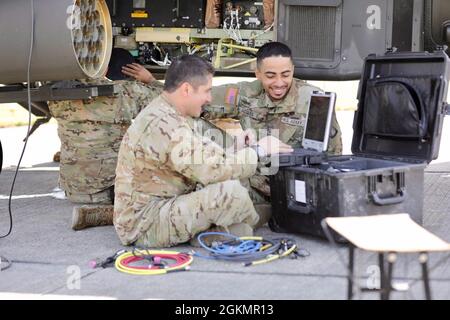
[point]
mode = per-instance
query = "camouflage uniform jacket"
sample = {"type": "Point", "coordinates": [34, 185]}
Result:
{"type": "Point", "coordinates": [248, 102]}
{"type": "Point", "coordinates": [91, 131]}
{"type": "Point", "coordinates": [162, 157]}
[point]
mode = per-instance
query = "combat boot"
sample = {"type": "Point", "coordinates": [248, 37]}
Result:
{"type": "Point", "coordinates": [92, 216]}
{"type": "Point", "coordinates": [264, 211]}
{"type": "Point", "coordinates": [57, 157]}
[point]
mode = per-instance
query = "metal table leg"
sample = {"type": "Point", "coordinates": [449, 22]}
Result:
{"type": "Point", "coordinates": [392, 257]}
{"type": "Point", "coordinates": [382, 277]}
{"type": "Point", "coordinates": [351, 263]}
{"type": "Point", "coordinates": [423, 259]}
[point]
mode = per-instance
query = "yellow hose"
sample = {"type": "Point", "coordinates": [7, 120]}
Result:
{"type": "Point", "coordinates": [135, 271]}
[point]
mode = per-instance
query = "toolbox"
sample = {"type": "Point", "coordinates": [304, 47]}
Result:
{"type": "Point", "coordinates": [396, 133]}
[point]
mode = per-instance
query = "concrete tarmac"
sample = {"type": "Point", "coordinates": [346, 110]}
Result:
{"type": "Point", "coordinates": [51, 261]}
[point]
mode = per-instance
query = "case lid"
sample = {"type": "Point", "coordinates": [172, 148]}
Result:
{"type": "Point", "coordinates": [401, 106]}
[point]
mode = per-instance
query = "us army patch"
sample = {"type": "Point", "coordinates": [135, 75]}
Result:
{"type": "Point", "coordinates": [231, 96]}
{"type": "Point", "coordinates": [292, 121]}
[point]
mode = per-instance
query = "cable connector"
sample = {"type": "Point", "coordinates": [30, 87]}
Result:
{"type": "Point", "coordinates": [106, 263]}
{"type": "Point", "coordinates": [299, 253]}
{"type": "Point", "coordinates": [187, 268]}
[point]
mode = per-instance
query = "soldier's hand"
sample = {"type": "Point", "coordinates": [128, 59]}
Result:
{"type": "Point", "coordinates": [249, 137]}
{"type": "Point", "coordinates": [138, 72]}
{"type": "Point", "coordinates": [272, 145]}
{"type": "Point", "coordinates": [242, 139]}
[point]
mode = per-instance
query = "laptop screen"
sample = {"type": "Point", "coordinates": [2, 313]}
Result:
{"type": "Point", "coordinates": [318, 124]}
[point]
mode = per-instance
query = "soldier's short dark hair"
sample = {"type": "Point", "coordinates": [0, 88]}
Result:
{"type": "Point", "coordinates": [273, 49]}
{"type": "Point", "coordinates": [119, 58]}
{"type": "Point", "coordinates": [187, 68]}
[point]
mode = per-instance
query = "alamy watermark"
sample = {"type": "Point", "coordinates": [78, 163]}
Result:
{"type": "Point", "coordinates": [74, 277]}
{"type": "Point", "coordinates": [213, 147]}
{"type": "Point", "coordinates": [73, 22]}
{"type": "Point", "coordinates": [373, 280]}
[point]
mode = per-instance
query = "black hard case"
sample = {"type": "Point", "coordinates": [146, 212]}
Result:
{"type": "Point", "coordinates": [302, 157]}
{"type": "Point", "coordinates": [396, 132]}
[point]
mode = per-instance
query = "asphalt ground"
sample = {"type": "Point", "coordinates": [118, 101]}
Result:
{"type": "Point", "coordinates": [51, 261]}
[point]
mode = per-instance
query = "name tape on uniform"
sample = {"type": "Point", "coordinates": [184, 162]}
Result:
{"type": "Point", "coordinates": [292, 121]}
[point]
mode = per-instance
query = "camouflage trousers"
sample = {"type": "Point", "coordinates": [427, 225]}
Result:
{"type": "Point", "coordinates": [102, 197]}
{"type": "Point", "coordinates": [180, 218]}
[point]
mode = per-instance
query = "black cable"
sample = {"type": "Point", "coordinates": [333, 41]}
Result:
{"type": "Point", "coordinates": [247, 250]}
{"type": "Point", "coordinates": [1, 157]}
{"type": "Point", "coordinates": [29, 121]}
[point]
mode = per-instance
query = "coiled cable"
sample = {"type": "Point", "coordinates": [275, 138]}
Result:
{"type": "Point", "coordinates": [152, 262]}
{"type": "Point", "coordinates": [249, 250]}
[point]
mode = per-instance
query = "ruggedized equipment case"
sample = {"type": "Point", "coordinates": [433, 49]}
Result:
{"type": "Point", "coordinates": [396, 132]}
{"type": "Point", "coordinates": [301, 157]}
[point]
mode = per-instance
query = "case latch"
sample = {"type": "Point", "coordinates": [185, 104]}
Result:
{"type": "Point", "coordinates": [441, 48]}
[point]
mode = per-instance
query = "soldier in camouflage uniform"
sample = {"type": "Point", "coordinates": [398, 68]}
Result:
{"type": "Point", "coordinates": [172, 182]}
{"type": "Point", "coordinates": [91, 132]}
{"type": "Point", "coordinates": [275, 101]}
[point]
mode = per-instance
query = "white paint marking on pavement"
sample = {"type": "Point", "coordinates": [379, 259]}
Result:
{"type": "Point", "coordinates": [57, 195]}
{"type": "Point", "coordinates": [26, 196]}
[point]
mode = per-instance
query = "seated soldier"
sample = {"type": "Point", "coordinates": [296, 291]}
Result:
{"type": "Point", "coordinates": [91, 132]}
{"type": "Point", "coordinates": [275, 102]}
{"type": "Point", "coordinates": [172, 182]}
